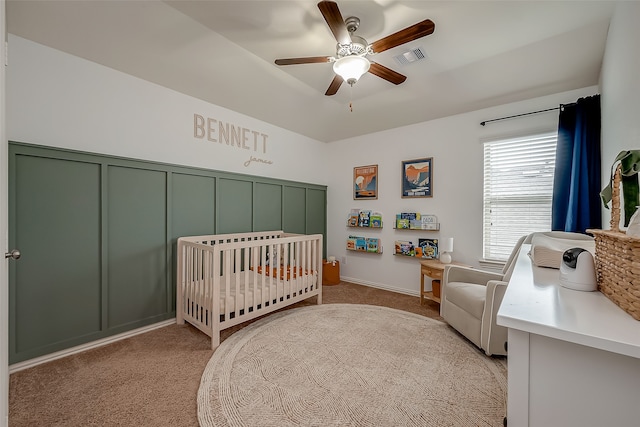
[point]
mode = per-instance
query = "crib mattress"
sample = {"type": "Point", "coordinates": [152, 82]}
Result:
{"type": "Point", "coordinates": [273, 289]}
{"type": "Point", "coordinates": [272, 272]}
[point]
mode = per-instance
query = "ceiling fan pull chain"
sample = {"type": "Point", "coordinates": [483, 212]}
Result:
{"type": "Point", "coordinates": [351, 98]}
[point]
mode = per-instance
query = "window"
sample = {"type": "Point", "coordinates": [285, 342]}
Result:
{"type": "Point", "coordinates": [518, 186]}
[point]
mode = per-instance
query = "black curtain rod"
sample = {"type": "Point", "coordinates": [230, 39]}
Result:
{"type": "Point", "coordinates": [520, 115]}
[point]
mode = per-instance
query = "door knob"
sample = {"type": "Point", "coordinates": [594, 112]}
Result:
{"type": "Point", "coordinates": [15, 254]}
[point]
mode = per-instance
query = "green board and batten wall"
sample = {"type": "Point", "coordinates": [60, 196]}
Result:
{"type": "Point", "coordinates": [97, 235]}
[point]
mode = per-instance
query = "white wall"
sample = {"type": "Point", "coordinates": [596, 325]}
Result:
{"type": "Point", "coordinates": [455, 143]}
{"type": "Point", "coordinates": [620, 82]}
{"type": "Point", "coordinates": [60, 100]}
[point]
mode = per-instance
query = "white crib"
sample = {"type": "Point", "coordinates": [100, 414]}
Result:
{"type": "Point", "coordinates": [227, 279]}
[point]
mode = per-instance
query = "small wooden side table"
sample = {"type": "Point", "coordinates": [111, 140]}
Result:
{"type": "Point", "coordinates": [434, 269]}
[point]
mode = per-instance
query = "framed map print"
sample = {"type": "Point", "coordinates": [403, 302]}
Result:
{"type": "Point", "coordinates": [417, 178]}
{"type": "Point", "coordinates": [365, 182]}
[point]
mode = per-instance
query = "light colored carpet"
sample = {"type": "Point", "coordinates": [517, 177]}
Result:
{"type": "Point", "coordinates": [351, 365]}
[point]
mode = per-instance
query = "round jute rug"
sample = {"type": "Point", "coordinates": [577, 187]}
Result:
{"type": "Point", "coordinates": [350, 365]}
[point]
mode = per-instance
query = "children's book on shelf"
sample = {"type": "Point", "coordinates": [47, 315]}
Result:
{"type": "Point", "coordinates": [410, 215]}
{"type": "Point", "coordinates": [401, 222]}
{"type": "Point", "coordinates": [375, 219]}
{"type": "Point", "coordinates": [354, 217]}
{"type": "Point", "coordinates": [427, 248]}
{"type": "Point", "coordinates": [415, 224]}
{"type": "Point", "coordinates": [373, 244]}
{"type": "Point", "coordinates": [429, 222]}
{"type": "Point", "coordinates": [361, 244]}
{"type": "Point", "coordinates": [365, 217]}
{"type": "Point", "coordinates": [403, 247]}
{"type": "Point", "coordinates": [425, 219]}
{"type": "Point", "coordinates": [351, 243]}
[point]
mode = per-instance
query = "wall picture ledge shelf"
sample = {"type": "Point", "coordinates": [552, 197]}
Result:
{"type": "Point", "coordinates": [379, 252]}
{"type": "Point", "coordinates": [426, 249]}
{"type": "Point", "coordinates": [370, 245]}
{"type": "Point", "coordinates": [435, 227]}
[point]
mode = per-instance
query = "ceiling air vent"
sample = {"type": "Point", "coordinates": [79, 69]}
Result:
{"type": "Point", "coordinates": [411, 56]}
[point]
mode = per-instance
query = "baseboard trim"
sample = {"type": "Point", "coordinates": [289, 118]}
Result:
{"type": "Point", "coordinates": [380, 286]}
{"type": "Point", "coordinates": [88, 346]}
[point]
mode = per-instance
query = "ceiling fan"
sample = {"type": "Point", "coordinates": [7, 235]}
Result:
{"type": "Point", "coordinates": [351, 61]}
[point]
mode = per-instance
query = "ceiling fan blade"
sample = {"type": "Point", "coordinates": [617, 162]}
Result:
{"type": "Point", "coordinates": [308, 60]}
{"type": "Point", "coordinates": [332, 15]}
{"type": "Point", "coordinates": [411, 33]}
{"type": "Point", "coordinates": [334, 86]}
{"type": "Point", "coordinates": [386, 73]}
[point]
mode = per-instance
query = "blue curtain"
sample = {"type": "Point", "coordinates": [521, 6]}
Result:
{"type": "Point", "coordinates": [576, 203]}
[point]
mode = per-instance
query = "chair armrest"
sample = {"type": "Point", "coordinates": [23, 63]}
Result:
{"type": "Point", "coordinates": [495, 292]}
{"type": "Point", "coordinates": [456, 273]}
{"type": "Point", "coordinates": [493, 336]}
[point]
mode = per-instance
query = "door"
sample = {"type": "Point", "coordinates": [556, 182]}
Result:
{"type": "Point", "coordinates": [4, 264]}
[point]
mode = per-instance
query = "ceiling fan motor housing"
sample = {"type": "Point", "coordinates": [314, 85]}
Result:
{"type": "Point", "coordinates": [358, 46]}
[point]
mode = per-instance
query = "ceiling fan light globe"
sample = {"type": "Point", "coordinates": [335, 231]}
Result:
{"type": "Point", "coordinates": [351, 68]}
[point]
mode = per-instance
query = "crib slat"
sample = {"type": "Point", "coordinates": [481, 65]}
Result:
{"type": "Point", "coordinates": [238, 276]}
{"type": "Point", "coordinates": [245, 275]}
{"type": "Point", "coordinates": [205, 303]}
{"type": "Point", "coordinates": [196, 285]}
{"type": "Point", "coordinates": [296, 276]}
{"type": "Point", "coordinates": [192, 278]}
{"type": "Point", "coordinates": [280, 273]}
{"type": "Point", "coordinates": [306, 266]}
{"type": "Point", "coordinates": [251, 278]}
{"type": "Point", "coordinates": [215, 298]}
{"type": "Point", "coordinates": [285, 284]}
{"type": "Point", "coordinates": [227, 283]}
{"type": "Point", "coordinates": [186, 278]}
{"type": "Point", "coordinates": [273, 263]}
{"type": "Point", "coordinates": [260, 279]}
{"type": "Point", "coordinates": [179, 281]}
{"type": "Point", "coordinates": [199, 295]}
{"type": "Point", "coordinates": [192, 268]}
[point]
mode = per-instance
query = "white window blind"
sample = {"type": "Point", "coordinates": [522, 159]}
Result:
{"type": "Point", "coordinates": [518, 186]}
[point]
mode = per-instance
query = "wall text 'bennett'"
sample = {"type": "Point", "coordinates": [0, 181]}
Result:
{"type": "Point", "coordinates": [226, 133]}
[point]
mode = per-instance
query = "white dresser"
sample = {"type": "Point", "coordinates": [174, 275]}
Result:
{"type": "Point", "coordinates": [574, 357]}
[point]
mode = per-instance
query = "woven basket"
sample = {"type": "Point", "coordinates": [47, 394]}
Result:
{"type": "Point", "coordinates": [618, 260]}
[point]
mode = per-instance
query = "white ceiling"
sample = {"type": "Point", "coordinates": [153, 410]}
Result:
{"type": "Point", "coordinates": [482, 53]}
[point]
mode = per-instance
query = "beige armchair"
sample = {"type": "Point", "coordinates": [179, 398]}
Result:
{"type": "Point", "coordinates": [470, 299]}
